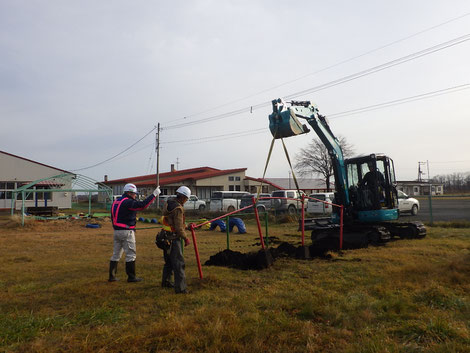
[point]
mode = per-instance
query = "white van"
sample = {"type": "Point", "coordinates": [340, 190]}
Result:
{"type": "Point", "coordinates": [314, 206]}
{"type": "Point", "coordinates": [226, 201]}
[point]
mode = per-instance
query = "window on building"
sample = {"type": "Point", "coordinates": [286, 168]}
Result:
{"type": "Point", "coordinates": [29, 196]}
{"type": "Point", "coordinates": [43, 195]}
{"type": "Point", "coordinates": [10, 186]}
{"type": "Point", "coordinates": [237, 178]}
{"type": "Point", "coordinates": [415, 189]}
{"type": "Point", "coordinates": [237, 188]}
{"type": "Point", "coordinates": [230, 178]}
{"type": "Point", "coordinates": [231, 188]}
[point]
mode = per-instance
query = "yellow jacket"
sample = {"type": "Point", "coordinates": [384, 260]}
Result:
{"type": "Point", "coordinates": [173, 216]}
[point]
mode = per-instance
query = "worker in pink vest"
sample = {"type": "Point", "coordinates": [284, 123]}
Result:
{"type": "Point", "coordinates": [123, 216]}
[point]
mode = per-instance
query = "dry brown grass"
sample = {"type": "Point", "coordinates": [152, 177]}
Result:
{"type": "Point", "coordinates": [407, 296]}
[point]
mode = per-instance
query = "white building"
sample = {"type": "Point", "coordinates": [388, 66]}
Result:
{"type": "Point", "coordinates": [16, 171]}
{"type": "Point", "coordinates": [416, 188]}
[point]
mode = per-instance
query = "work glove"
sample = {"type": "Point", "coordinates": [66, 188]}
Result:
{"type": "Point", "coordinates": [187, 241]}
{"type": "Point", "coordinates": [157, 191]}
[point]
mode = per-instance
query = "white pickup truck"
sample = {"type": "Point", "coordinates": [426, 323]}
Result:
{"type": "Point", "coordinates": [226, 201]}
{"type": "Point", "coordinates": [194, 203]}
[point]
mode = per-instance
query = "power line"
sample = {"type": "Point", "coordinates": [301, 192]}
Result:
{"type": "Point", "coordinates": [344, 113]}
{"type": "Point", "coordinates": [330, 66]}
{"type": "Point", "coordinates": [400, 101]}
{"type": "Point", "coordinates": [149, 164]}
{"type": "Point", "coordinates": [247, 133]}
{"type": "Point", "coordinates": [116, 155]}
{"type": "Point", "coordinates": [336, 82]}
{"type": "Point", "coordinates": [384, 66]}
{"type": "Point", "coordinates": [447, 162]}
{"type": "Point", "coordinates": [360, 74]}
{"type": "Point", "coordinates": [216, 136]}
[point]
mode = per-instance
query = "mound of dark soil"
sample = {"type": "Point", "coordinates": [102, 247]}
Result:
{"type": "Point", "coordinates": [263, 258]}
{"type": "Point", "coordinates": [284, 250]}
{"type": "Point", "coordinates": [235, 259]}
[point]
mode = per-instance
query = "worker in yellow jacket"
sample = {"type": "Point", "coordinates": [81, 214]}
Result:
{"type": "Point", "coordinates": [174, 222]}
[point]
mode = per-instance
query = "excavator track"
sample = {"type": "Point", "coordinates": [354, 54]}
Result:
{"type": "Point", "coordinates": [325, 234]}
{"type": "Point", "coordinates": [406, 230]}
{"type": "Point", "coordinates": [355, 235]}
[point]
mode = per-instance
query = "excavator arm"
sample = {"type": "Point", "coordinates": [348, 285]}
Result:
{"type": "Point", "coordinates": [284, 122]}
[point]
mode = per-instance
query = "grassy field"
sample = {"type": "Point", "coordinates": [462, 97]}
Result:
{"type": "Point", "coordinates": [407, 296]}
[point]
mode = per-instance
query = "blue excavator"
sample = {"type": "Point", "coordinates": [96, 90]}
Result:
{"type": "Point", "coordinates": [365, 186]}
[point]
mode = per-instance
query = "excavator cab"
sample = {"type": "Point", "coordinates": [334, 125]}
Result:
{"type": "Point", "coordinates": [372, 187]}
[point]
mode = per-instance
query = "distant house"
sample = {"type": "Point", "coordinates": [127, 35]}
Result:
{"type": "Point", "coordinates": [16, 171]}
{"type": "Point", "coordinates": [202, 181]}
{"type": "Point", "coordinates": [416, 188]}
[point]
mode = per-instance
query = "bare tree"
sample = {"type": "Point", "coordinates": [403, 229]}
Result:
{"type": "Point", "coordinates": [454, 183]}
{"type": "Point", "coordinates": [314, 159]}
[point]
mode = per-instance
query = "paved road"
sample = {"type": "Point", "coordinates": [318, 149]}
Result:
{"type": "Point", "coordinates": [443, 209]}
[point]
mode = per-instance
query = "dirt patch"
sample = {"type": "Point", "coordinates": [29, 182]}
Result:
{"type": "Point", "coordinates": [263, 258]}
{"type": "Point", "coordinates": [52, 225]}
{"type": "Point", "coordinates": [235, 259]}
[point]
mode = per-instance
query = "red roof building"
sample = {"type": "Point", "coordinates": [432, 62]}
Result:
{"type": "Point", "coordinates": [202, 181]}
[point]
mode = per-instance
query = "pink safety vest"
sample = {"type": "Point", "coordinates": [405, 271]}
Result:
{"type": "Point", "coordinates": [114, 215]}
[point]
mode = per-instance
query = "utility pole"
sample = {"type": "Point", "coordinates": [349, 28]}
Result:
{"type": "Point", "coordinates": [430, 194]}
{"type": "Point", "coordinates": [157, 150]}
{"type": "Point", "coordinates": [420, 172]}
{"type": "Point", "coordinates": [430, 188]}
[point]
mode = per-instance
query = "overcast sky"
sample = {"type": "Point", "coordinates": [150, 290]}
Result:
{"type": "Point", "coordinates": [80, 81]}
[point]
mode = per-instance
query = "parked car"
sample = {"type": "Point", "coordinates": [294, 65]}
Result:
{"type": "Point", "coordinates": [284, 205]}
{"type": "Point", "coordinates": [226, 201]}
{"type": "Point", "coordinates": [194, 203]}
{"type": "Point", "coordinates": [314, 206]}
{"type": "Point", "coordinates": [407, 204]}
{"type": "Point", "coordinates": [261, 205]}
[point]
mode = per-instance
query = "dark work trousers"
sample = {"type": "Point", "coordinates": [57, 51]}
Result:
{"type": "Point", "coordinates": [174, 263]}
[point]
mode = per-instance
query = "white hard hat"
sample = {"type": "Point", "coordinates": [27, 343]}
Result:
{"type": "Point", "coordinates": [130, 188]}
{"type": "Point", "coordinates": [184, 190]}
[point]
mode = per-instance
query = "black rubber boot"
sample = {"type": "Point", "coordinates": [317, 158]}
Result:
{"type": "Point", "coordinates": [167, 284]}
{"type": "Point", "coordinates": [112, 271]}
{"type": "Point", "coordinates": [130, 270]}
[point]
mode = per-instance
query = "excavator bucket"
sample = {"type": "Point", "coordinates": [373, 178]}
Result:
{"type": "Point", "coordinates": [285, 124]}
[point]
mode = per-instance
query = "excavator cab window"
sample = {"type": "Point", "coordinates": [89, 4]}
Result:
{"type": "Point", "coordinates": [368, 180]}
{"type": "Point", "coordinates": [353, 176]}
